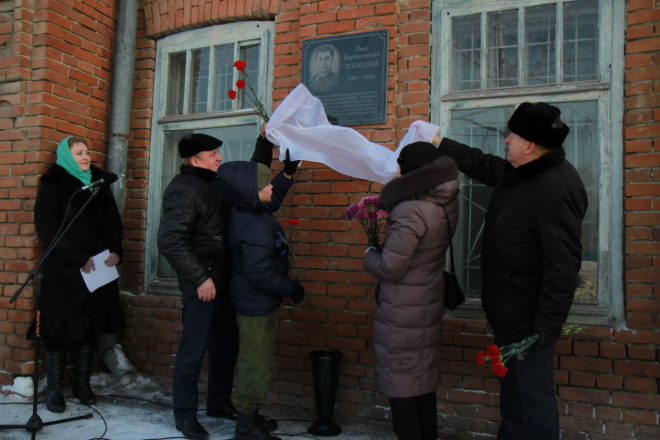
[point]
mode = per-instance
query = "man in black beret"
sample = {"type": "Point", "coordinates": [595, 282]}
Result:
{"type": "Point", "coordinates": [193, 238]}
{"type": "Point", "coordinates": [530, 258]}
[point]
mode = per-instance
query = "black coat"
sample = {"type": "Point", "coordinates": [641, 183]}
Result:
{"type": "Point", "coordinates": [260, 251]}
{"type": "Point", "coordinates": [193, 229]}
{"type": "Point", "coordinates": [193, 226]}
{"type": "Point", "coordinates": [531, 251]}
{"type": "Point", "coordinates": [68, 309]}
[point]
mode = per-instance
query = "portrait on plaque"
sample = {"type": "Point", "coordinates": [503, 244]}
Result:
{"type": "Point", "coordinates": [348, 73]}
{"type": "Point", "coordinates": [325, 70]}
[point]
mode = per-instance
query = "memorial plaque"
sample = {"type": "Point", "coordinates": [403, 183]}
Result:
{"type": "Point", "coordinates": [348, 74]}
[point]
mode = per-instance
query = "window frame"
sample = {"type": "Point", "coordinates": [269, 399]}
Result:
{"type": "Point", "coordinates": [608, 91]}
{"type": "Point", "coordinates": [239, 34]}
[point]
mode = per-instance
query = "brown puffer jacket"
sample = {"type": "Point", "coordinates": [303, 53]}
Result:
{"type": "Point", "coordinates": [408, 320]}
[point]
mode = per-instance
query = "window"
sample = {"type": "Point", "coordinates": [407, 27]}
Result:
{"type": "Point", "coordinates": [567, 53]}
{"type": "Point", "coordinates": [194, 72]}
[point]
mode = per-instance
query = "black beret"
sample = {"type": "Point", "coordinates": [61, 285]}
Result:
{"type": "Point", "coordinates": [193, 143]}
{"type": "Point", "coordinates": [416, 155]}
{"type": "Point", "coordinates": [539, 123]}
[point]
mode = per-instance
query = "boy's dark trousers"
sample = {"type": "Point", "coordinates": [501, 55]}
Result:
{"type": "Point", "coordinates": [528, 404]}
{"type": "Point", "coordinates": [415, 418]}
{"type": "Point", "coordinates": [206, 325]}
{"type": "Point", "coordinates": [255, 361]}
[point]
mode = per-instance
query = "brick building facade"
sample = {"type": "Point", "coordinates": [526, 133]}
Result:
{"type": "Point", "coordinates": [56, 72]}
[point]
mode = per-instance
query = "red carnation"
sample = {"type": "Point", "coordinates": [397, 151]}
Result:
{"type": "Point", "coordinates": [493, 351]}
{"type": "Point", "coordinates": [293, 222]}
{"type": "Point", "coordinates": [500, 370]}
{"type": "Point", "coordinates": [232, 94]}
{"type": "Point", "coordinates": [481, 357]}
{"type": "Point", "coordinates": [240, 84]}
{"type": "Point", "coordinates": [240, 65]}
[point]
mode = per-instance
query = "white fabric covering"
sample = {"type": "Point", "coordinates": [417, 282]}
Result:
{"type": "Point", "coordinates": [299, 124]}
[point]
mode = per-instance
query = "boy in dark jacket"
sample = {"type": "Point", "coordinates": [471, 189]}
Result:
{"type": "Point", "coordinates": [259, 282]}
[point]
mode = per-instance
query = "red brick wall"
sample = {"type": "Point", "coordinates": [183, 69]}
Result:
{"type": "Point", "coordinates": [642, 164]}
{"type": "Point", "coordinates": [607, 380]}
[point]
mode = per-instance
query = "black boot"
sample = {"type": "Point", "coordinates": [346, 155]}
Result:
{"type": "Point", "coordinates": [82, 370]}
{"type": "Point", "coordinates": [55, 362]}
{"type": "Point", "coordinates": [267, 424]}
{"type": "Point", "coordinates": [247, 428]}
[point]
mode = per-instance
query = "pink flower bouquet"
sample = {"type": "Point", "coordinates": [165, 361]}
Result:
{"type": "Point", "coordinates": [369, 213]}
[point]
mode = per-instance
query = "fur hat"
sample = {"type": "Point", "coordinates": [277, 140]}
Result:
{"type": "Point", "coordinates": [263, 176]}
{"type": "Point", "coordinates": [416, 155]}
{"type": "Point", "coordinates": [539, 123]}
{"type": "Point", "coordinates": [193, 143]}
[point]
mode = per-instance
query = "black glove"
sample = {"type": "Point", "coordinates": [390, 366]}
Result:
{"type": "Point", "coordinates": [290, 166]}
{"type": "Point", "coordinates": [544, 340]}
{"type": "Point", "coordinates": [263, 151]}
{"type": "Point", "coordinates": [298, 292]}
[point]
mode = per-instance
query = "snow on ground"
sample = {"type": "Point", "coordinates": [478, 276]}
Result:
{"type": "Point", "coordinates": [131, 419]}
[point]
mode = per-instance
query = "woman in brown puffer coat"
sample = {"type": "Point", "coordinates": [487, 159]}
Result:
{"type": "Point", "coordinates": [408, 320]}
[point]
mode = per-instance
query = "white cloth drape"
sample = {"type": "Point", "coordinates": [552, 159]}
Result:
{"type": "Point", "coordinates": [299, 124]}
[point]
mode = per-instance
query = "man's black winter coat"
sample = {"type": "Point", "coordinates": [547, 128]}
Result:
{"type": "Point", "coordinates": [531, 251]}
{"type": "Point", "coordinates": [193, 227]}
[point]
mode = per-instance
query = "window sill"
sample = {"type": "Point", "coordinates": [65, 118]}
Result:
{"type": "Point", "coordinates": [198, 116]}
{"type": "Point", "coordinates": [582, 314]}
{"type": "Point", "coordinates": [169, 286]}
{"type": "Point", "coordinates": [525, 91]}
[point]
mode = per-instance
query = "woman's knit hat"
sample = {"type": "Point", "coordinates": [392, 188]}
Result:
{"type": "Point", "coordinates": [416, 155]}
{"type": "Point", "coordinates": [263, 176]}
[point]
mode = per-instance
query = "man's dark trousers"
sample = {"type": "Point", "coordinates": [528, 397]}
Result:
{"type": "Point", "coordinates": [209, 325]}
{"type": "Point", "coordinates": [528, 404]}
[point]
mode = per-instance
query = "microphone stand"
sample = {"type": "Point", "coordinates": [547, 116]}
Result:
{"type": "Point", "coordinates": [35, 423]}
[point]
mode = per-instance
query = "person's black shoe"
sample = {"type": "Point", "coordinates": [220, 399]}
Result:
{"type": "Point", "coordinates": [192, 429]}
{"type": "Point", "coordinates": [225, 412]}
{"type": "Point", "coordinates": [267, 424]}
{"type": "Point", "coordinates": [248, 428]}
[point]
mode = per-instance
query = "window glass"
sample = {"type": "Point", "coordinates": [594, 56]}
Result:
{"type": "Point", "coordinates": [485, 128]}
{"type": "Point", "coordinates": [466, 53]}
{"type": "Point", "coordinates": [540, 23]}
{"type": "Point", "coordinates": [224, 76]}
{"type": "Point", "coordinates": [582, 151]}
{"type": "Point", "coordinates": [502, 49]}
{"type": "Point", "coordinates": [537, 65]}
{"type": "Point", "coordinates": [200, 80]}
{"type": "Point", "coordinates": [581, 41]}
{"type": "Point", "coordinates": [250, 54]}
{"type": "Point", "coordinates": [176, 84]}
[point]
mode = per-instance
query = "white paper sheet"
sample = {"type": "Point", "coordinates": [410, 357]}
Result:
{"type": "Point", "coordinates": [300, 125]}
{"type": "Point", "coordinates": [102, 275]}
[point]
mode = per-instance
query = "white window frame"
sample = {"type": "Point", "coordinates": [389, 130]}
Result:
{"type": "Point", "coordinates": [608, 91]}
{"type": "Point", "coordinates": [230, 33]}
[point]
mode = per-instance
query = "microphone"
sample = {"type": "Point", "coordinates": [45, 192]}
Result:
{"type": "Point", "coordinates": [107, 178]}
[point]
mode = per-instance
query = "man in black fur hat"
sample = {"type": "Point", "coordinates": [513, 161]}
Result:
{"type": "Point", "coordinates": [193, 238]}
{"type": "Point", "coordinates": [530, 257]}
